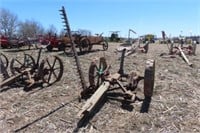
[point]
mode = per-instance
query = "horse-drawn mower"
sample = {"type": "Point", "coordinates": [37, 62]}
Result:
{"type": "Point", "coordinates": [27, 72]}
{"type": "Point", "coordinates": [102, 81]}
{"type": "Point", "coordinates": [182, 50]}
{"type": "Point", "coordinates": [133, 48]}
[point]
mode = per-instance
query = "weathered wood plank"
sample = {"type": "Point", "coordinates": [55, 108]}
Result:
{"type": "Point", "coordinates": [11, 79]}
{"type": "Point", "coordinates": [90, 104]}
{"type": "Point", "coordinates": [184, 57]}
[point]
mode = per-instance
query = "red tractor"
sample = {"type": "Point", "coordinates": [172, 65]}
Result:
{"type": "Point", "coordinates": [51, 42]}
{"type": "Point", "coordinates": [11, 42]}
{"type": "Point", "coordinates": [4, 42]}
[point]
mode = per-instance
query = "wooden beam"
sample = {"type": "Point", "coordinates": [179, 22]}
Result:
{"type": "Point", "coordinates": [92, 102]}
{"type": "Point", "coordinates": [184, 56]}
{"type": "Point", "coordinates": [12, 78]}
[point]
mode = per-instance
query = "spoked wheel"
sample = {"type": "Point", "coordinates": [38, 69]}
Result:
{"type": "Point", "coordinates": [52, 70]}
{"type": "Point", "coordinates": [17, 65]}
{"type": "Point", "coordinates": [149, 75]}
{"type": "Point", "coordinates": [96, 73]}
{"type": "Point", "coordinates": [84, 46]}
{"type": "Point", "coordinates": [105, 45]}
{"type": "Point", "coordinates": [4, 60]}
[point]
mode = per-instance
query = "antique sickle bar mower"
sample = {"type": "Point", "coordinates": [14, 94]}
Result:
{"type": "Point", "coordinates": [27, 72]}
{"type": "Point", "coordinates": [101, 81]}
{"type": "Point", "coordinates": [189, 50]}
{"type": "Point", "coordinates": [181, 50]}
{"type": "Point", "coordinates": [133, 48]}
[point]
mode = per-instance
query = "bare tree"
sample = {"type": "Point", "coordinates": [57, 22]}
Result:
{"type": "Point", "coordinates": [8, 22]}
{"type": "Point", "coordinates": [84, 32]}
{"type": "Point", "coordinates": [52, 30]}
{"type": "Point", "coordinates": [30, 28]}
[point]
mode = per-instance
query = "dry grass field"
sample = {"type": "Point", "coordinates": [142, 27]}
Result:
{"type": "Point", "coordinates": [175, 105]}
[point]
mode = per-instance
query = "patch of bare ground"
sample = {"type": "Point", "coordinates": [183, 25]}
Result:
{"type": "Point", "coordinates": [174, 106]}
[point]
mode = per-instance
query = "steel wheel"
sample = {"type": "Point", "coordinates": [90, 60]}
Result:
{"type": "Point", "coordinates": [105, 45]}
{"type": "Point", "coordinates": [52, 70]}
{"type": "Point", "coordinates": [4, 60]}
{"type": "Point", "coordinates": [149, 75]}
{"type": "Point", "coordinates": [96, 73]}
{"type": "Point", "coordinates": [19, 64]}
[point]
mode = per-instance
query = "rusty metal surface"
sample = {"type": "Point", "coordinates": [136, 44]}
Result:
{"type": "Point", "coordinates": [75, 55]}
{"type": "Point", "coordinates": [98, 73]}
{"type": "Point", "coordinates": [25, 72]}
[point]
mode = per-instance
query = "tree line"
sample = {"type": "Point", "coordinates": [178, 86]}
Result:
{"type": "Point", "coordinates": [11, 26]}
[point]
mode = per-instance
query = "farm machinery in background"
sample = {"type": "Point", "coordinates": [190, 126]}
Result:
{"type": "Point", "coordinates": [102, 82]}
{"type": "Point", "coordinates": [137, 46]}
{"type": "Point", "coordinates": [83, 43]}
{"type": "Point", "coordinates": [114, 37]}
{"type": "Point", "coordinates": [13, 42]}
{"type": "Point", "coordinates": [180, 49]}
{"type": "Point", "coordinates": [27, 72]}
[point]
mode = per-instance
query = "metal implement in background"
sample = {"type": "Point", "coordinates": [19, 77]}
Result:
{"type": "Point", "coordinates": [181, 50]}
{"type": "Point", "coordinates": [102, 82]}
{"type": "Point", "coordinates": [67, 28]}
{"type": "Point", "coordinates": [27, 72]}
{"type": "Point", "coordinates": [133, 48]}
{"type": "Point", "coordinates": [87, 42]}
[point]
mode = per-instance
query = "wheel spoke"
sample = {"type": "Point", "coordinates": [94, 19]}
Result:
{"type": "Point", "coordinates": [54, 69]}
{"type": "Point", "coordinates": [49, 77]}
{"type": "Point", "coordinates": [19, 62]}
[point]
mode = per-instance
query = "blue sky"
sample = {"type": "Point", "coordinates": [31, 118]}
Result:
{"type": "Point", "coordinates": [143, 16]}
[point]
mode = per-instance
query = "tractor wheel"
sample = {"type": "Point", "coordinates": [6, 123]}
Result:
{"type": "Point", "coordinates": [105, 45]}
{"type": "Point", "coordinates": [49, 47]}
{"type": "Point", "coordinates": [96, 72]}
{"type": "Point", "coordinates": [84, 45]}
{"type": "Point", "coordinates": [61, 47]}
{"type": "Point", "coordinates": [149, 75]}
{"type": "Point", "coordinates": [90, 47]}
